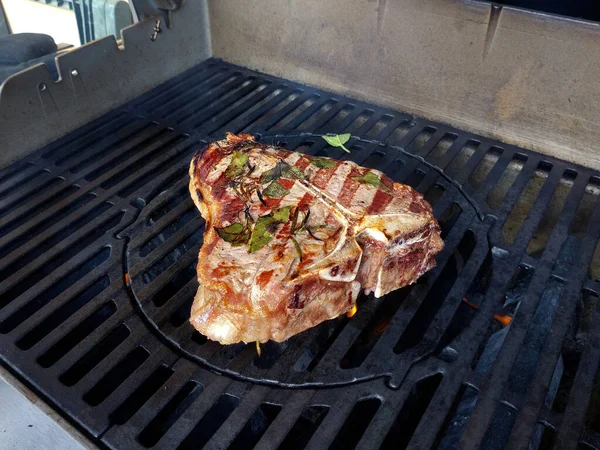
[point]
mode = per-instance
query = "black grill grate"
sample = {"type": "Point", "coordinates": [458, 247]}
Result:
{"type": "Point", "coordinates": [99, 240]}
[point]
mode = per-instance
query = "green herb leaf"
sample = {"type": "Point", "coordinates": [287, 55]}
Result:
{"type": "Point", "coordinates": [323, 163]}
{"type": "Point", "coordinates": [373, 180]}
{"type": "Point", "coordinates": [338, 140]}
{"type": "Point", "coordinates": [275, 190]}
{"type": "Point", "coordinates": [236, 166]}
{"type": "Point", "coordinates": [236, 234]}
{"type": "Point", "coordinates": [282, 215]}
{"type": "Point", "coordinates": [261, 235]}
{"type": "Point", "coordinates": [282, 170]}
{"type": "Point", "coordinates": [297, 247]}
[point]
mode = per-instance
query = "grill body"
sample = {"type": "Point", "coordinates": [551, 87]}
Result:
{"type": "Point", "coordinates": [495, 348]}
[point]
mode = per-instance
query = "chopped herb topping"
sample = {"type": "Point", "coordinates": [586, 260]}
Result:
{"type": "Point", "coordinates": [236, 234]}
{"type": "Point", "coordinates": [323, 163]}
{"type": "Point", "coordinates": [282, 170]}
{"type": "Point", "coordinates": [297, 247]}
{"type": "Point", "coordinates": [237, 164]}
{"type": "Point", "coordinates": [338, 140]}
{"type": "Point", "coordinates": [301, 225]}
{"type": "Point", "coordinates": [371, 179]}
{"type": "Point", "coordinates": [257, 234]}
{"type": "Point", "coordinates": [261, 234]}
{"type": "Point", "coordinates": [275, 190]}
{"type": "Point", "coordinates": [244, 189]}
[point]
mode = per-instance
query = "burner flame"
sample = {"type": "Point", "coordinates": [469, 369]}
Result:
{"type": "Point", "coordinates": [353, 311]}
{"type": "Point", "coordinates": [504, 320]}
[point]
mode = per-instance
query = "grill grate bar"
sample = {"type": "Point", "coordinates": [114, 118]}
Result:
{"type": "Point", "coordinates": [60, 351]}
{"type": "Point", "coordinates": [193, 104]}
{"type": "Point", "coordinates": [381, 423]}
{"type": "Point", "coordinates": [532, 221]}
{"type": "Point", "coordinates": [271, 124]}
{"type": "Point", "coordinates": [124, 435]}
{"type": "Point", "coordinates": [434, 416]}
{"type": "Point", "coordinates": [468, 168]}
{"type": "Point", "coordinates": [180, 87]}
{"type": "Point", "coordinates": [142, 237]}
{"type": "Point", "coordinates": [369, 124]}
{"type": "Point", "coordinates": [574, 416]}
{"type": "Point", "coordinates": [335, 124]}
{"type": "Point", "coordinates": [25, 178]}
{"type": "Point", "coordinates": [409, 307]}
{"type": "Point", "coordinates": [549, 356]}
{"type": "Point", "coordinates": [44, 322]}
{"type": "Point", "coordinates": [81, 278]}
{"type": "Point", "coordinates": [58, 255]}
{"type": "Point", "coordinates": [294, 123]}
{"type": "Point", "coordinates": [104, 174]}
{"type": "Point", "coordinates": [507, 356]}
{"type": "Point", "coordinates": [173, 306]}
{"type": "Point", "coordinates": [245, 90]}
{"type": "Point", "coordinates": [324, 435]}
{"type": "Point", "coordinates": [551, 351]}
{"type": "Point", "coordinates": [171, 244]}
{"type": "Point", "coordinates": [293, 406]}
{"type": "Point", "coordinates": [454, 150]}
{"type": "Point", "coordinates": [117, 381]}
{"type": "Point", "coordinates": [39, 204]}
{"type": "Point", "coordinates": [241, 415]}
{"type": "Point", "coordinates": [98, 357]}
{"type": "Point", "coordinates": [222, 123]}
{"type": "Point", "coordinates": [39, 180]}
{"type": "Point", "coordinates": [130, 134]}
{"type": "Point", "coordinates": [15, 170]}
{"type": "Point", "coordinates": [81, 205]}
{"type": "Point", "coordinates": [392, 126]}
{"type": "Point", "coordinates": [125, 184]}
{"type": "Point", "coordinates": [454, 298]}
{"type": "Point", "coordinates": [426, 148]}
{"type": "Point", "coordinates": [194, 413]}
{"type": "Point", "coordinates": [245, 122]}
{"type": "Point", "coordinates": [590, 439]}
{"type": "Point", "coordinates": [87, 134]}
{"type": "Point", "coordinates": [515, 191]}
{"type": "Point", "coordinates": [328, 116]}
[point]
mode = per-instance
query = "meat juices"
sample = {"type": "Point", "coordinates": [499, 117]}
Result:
{"type": "Point", "coordinates": [291, 239]}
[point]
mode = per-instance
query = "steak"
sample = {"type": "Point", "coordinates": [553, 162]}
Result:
{"type": "Point", "coordinates": [291, 239]}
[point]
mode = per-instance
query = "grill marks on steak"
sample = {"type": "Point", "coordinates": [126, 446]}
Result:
{"type": "Point", "coordinates": [338, 229]}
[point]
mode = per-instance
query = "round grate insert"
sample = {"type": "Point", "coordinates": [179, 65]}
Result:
{"type": "Point", "coordinates": [383, 339]}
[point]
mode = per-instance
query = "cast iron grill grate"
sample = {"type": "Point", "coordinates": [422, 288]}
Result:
{"type": "Point", "coordinates": [497, 347]}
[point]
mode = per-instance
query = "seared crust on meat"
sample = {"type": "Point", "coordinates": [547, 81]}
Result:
{"type": "Point", "coordinates": [291, 239]}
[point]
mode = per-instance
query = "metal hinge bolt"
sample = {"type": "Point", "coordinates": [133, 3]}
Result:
{"type": "Point", "coordinates": [156, 30]}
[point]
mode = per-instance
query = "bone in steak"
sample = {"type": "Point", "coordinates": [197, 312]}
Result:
{"type": "Point", "coordinates": [291, 239]}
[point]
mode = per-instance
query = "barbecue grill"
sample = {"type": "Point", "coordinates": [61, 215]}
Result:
{"type": "Point", "coordinates": [497, 347]}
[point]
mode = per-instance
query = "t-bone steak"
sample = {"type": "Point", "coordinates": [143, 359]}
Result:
{"type": "Point", "coordinates": [292, 239]}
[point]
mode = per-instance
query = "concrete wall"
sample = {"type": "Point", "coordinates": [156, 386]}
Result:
{"type": "Point", "coordinates": [525, 78]}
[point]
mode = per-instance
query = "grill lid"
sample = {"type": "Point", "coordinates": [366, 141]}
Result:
{"type": "Point", "coordinates": [496, 346]}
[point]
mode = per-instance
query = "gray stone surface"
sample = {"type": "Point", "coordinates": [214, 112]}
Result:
{"type": "Point", "coordinates": [26, 426]}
